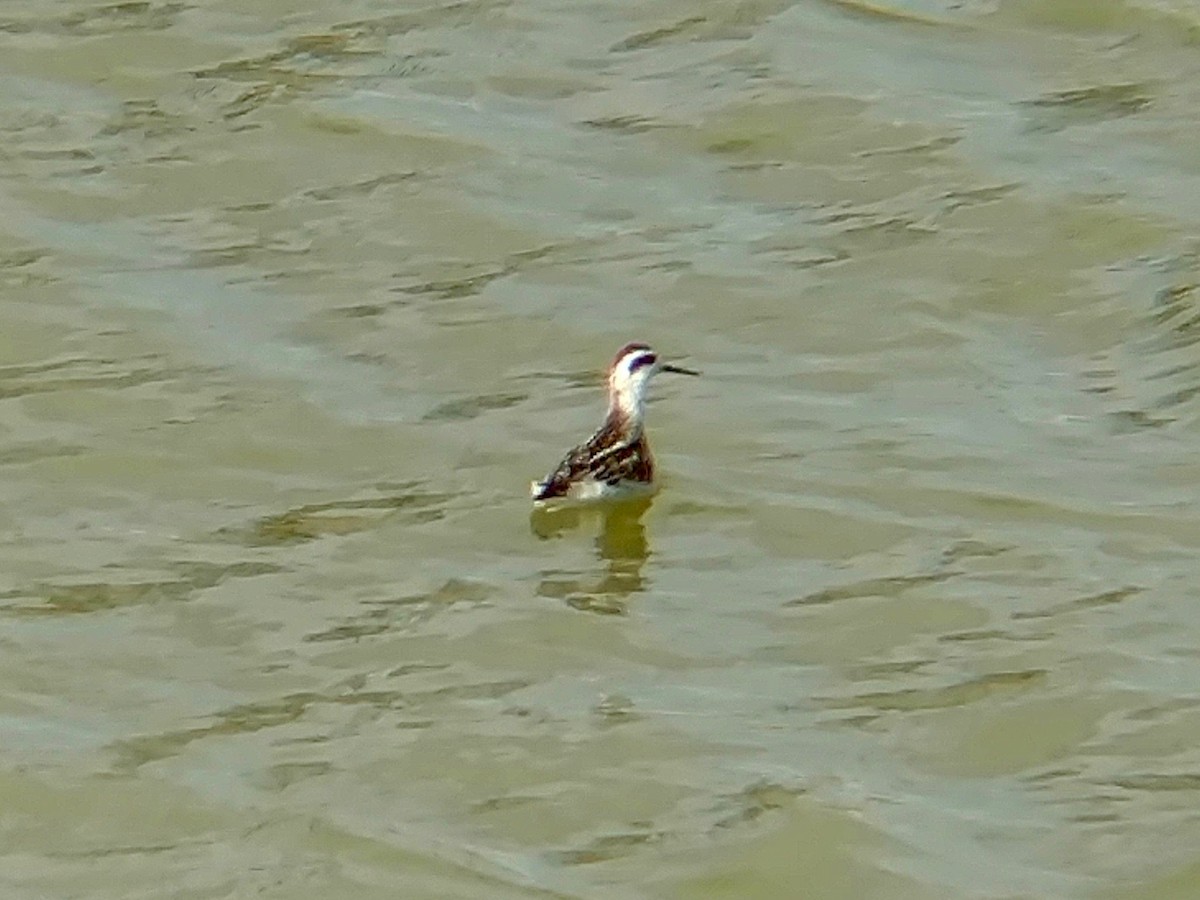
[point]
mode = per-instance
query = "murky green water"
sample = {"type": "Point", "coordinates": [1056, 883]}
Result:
{"type": "Point", "coordinates": [296, 298]}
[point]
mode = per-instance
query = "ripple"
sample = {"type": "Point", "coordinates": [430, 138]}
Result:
{"type": "Point", "coordinates": [1085, 106]}
{"type": "Point", "coordinates": [960, 693]}
{"type": "Point", "coordinates": [313, 521]}
{"type": "Point", "coordinates": [385, 616]}
{"type": "Point", "coordinates": [100, 19]}
{"type": "Point", "coordinates": [1157, 781]}
{"type": "Point", "coordinates": [52, 599]}
{"type": "Point", "coordinates": [871, 587]}
{"type": "Point", "coordinates": [81, 373]}
{"type": "Point", "coordinates": [608, 847]}
{"type": "Point", "coordinates": [473, 407]}
{"type": "Point", "coordinates": [1104, 598]}
{"type": "Point", "coordinates": [684, 28]}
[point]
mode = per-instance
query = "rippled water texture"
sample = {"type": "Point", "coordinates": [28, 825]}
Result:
{"type": "Point", "coordinates": [296, 297]}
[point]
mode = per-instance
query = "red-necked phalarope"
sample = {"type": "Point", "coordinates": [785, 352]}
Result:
{"type": "Point", "coordinates": [616, 460]}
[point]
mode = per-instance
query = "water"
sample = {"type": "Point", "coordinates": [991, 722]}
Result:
{"type": "Point", "coordinates": [297, 298]}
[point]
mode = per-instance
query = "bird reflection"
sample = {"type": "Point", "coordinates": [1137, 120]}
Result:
{"type": "Point", "coordinates": [621, 547]}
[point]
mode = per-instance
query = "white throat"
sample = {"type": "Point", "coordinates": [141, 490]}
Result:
{"type": "Point", "coordinates": [627, 398]}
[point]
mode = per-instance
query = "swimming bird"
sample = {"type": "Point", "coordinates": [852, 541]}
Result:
{"type": "Point", "coordinates": [616, 460]}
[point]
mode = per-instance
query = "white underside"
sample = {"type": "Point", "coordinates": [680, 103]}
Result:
{"type": "Point", "coordinates": [588, 490]}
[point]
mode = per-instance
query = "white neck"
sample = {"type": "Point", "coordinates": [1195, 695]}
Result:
{"type": "Point", "coordinates": [627, 402]}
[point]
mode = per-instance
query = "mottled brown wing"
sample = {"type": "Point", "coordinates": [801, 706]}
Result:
{"type": "Point", "coordinates": [631, 463]}
{"type": "Point", "coordinates": [571, 469]}
{"type": "Point", "coordinates": [598, 460]}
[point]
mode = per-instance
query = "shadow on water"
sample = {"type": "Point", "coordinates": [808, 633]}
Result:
{"type": "Point", "coordinates": [621, 546]}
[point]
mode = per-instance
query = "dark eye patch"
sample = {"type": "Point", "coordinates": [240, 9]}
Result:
{"type": "Point", "coordinates": [646, 359]}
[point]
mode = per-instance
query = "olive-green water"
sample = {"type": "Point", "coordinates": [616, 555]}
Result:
{"type": "Point", "coordinates": [296, 297]}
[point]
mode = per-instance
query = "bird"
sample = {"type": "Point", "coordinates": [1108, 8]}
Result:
{"type": "Point", "coordinates": [616, 460]}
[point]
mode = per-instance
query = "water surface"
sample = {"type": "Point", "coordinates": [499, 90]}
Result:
{"type": "Point", "coordinates": [298, 297]}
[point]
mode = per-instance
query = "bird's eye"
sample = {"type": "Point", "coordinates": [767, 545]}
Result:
{"type": "Point", "coordinates": [646, 359]}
